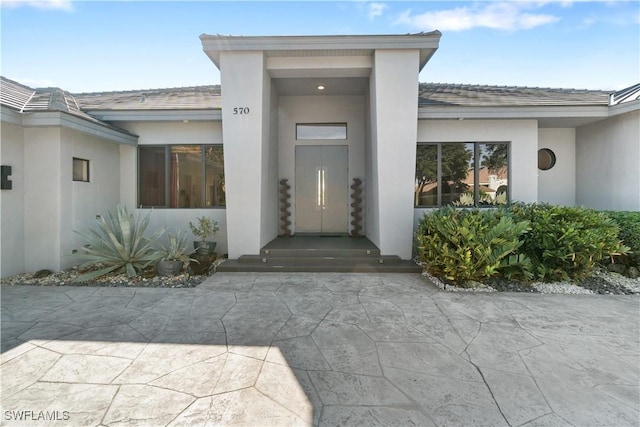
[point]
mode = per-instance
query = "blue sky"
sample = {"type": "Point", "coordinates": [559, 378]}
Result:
{"type": "Point", "coordinates": [86, 46]}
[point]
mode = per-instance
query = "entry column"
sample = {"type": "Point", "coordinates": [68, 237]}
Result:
{"type": "Point", "coordinates": [245, 125]}
{"type": "Point", "coordinates": [395, 129]}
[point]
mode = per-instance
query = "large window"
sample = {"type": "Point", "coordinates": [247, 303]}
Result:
{"type": "Point", "coordinates": [181, 176]}
{"type": "Point", "coordinates": [461, 174]}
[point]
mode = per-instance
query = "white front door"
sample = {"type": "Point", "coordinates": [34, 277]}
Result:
{"type": "Point", "coordinates": [322, 189]}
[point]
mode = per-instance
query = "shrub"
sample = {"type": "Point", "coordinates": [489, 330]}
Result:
{"type": "Point", "coordinates": [629, 224]}
{"type": "Point", "coordinates": [204, 227]}
{"type": "Point", "coordinates": [566, 242]}
{"type": "Point", "coordinates": [463, 245]}
{"type": "Point", "coordinates": [119, 244]}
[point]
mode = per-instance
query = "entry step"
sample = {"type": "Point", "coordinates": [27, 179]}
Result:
{"type": "Point", "coordinates": [308, 260]}
{"type": "Point", "coordinates": [401, 266]}
{"type": "Point", "coordinates": [321, 252]}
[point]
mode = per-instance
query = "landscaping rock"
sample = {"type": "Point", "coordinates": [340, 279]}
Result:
{"type": "Point", "coordinates": [600, 285]}
{"type": "Point", "coordinates": [600, 282]}
{"type": "Point", "coordinates": [42, 273]}
{"type": "Point", "coordinates": [504, 285]}
{"type": "Point", "coordinates": [617, 268]}
{"type": "Point", "coordinates": [633, 273]}
{"type": "Point", "coordinates": [70, 278]}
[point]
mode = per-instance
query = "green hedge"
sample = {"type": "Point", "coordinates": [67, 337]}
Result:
{"type": "Point", "coordinates": [629, 224]}
{"type": "Point", "coordinates": [524, 241]}
{"type": "Point", "coordinates": [470, 245]}
{"type": "Point", "coordinates": [566, 242]}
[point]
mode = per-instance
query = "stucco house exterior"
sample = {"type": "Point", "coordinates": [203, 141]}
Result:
{"type": "Point", "coordinates": [319, 112]}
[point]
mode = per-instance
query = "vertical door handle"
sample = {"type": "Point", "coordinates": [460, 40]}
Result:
{"type": "Point", "coordinates": [319, 189]}
{"type": "Point", "coordinates": [320, 200]}
{"type": "Point", "coordinates": [323, 190]}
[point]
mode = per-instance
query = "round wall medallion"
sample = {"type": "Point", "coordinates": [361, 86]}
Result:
{"type": "Point", "coordinates": [546, 159]}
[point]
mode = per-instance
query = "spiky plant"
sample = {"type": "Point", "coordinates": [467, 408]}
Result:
{"type": "Point", "coordinates": [119, 244]}
{"type": "Point", "coordinates": [176, 247]}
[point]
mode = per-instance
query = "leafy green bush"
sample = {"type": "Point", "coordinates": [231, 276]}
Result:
{"type": "Point", "coordinates": [204, 227]}
{"type": "Point", "coordinates": [464, 245]}
{"type": "Point", "coordinates": [119, 244]}
{"type": "Point", "coordinates": [566, 242]}
{"type": "Point", "coordinates": [629, 224]}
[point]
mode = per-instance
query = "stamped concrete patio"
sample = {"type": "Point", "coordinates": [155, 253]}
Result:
{"type": "Point", "coordinates": [317, 349]}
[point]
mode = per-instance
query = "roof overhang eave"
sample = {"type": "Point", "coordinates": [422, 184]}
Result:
{"type": "Point", "coordinates": [427, 43]}
{"type": "Point", "coordinates": [10, 115]}
{"type": "Point", "coordinates": [209, 114]}
{"type": "Point", "coordinates": [625, 107]}
{"type": "Point", "coordinates": [70, 121]}
{"type": "Point", "coordinates": [425, 56]}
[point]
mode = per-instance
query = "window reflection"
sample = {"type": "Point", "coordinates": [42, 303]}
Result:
{"type": "Point", "coordinates": [214, 175]}
{"type": "Point", "coordinates": [151, 176]}
{"type": "Point", "coordinates": [457, 174]}
{"type": "Point", "coordinates": [181, 176]}
{"type": "Point", "coordinates": [426, 191]}
{"type": "Point", "coordinates": [494, 174]}
{"type": "Point", "coordinates": [186, 176]}
{"type": "Point", "coordinates": [461, 174]}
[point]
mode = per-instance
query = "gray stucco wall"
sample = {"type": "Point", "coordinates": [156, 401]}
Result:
{"type": "Point", "coordinates": [608, 163]}
{"type": "Point", "coordinates": [558, 184]}
{"type": "Point", "coordinates": [12, 202]}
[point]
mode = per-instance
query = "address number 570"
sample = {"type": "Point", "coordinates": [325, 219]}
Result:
{"type": "Point", "coordinates": [240, 111]}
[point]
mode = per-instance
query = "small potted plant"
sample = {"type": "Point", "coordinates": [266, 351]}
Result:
{"type": "Point", "coordinates": [174, 255]}
{"type": "Point", "coordinates": [203, 228]}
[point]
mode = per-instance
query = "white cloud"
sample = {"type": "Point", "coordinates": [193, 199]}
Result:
{"type": "Point", "coordinates": [376, 9]}
{"type": "Point", "coordinates": [65, 5]}
{"type": "Point", "coordinates": [503, 15]}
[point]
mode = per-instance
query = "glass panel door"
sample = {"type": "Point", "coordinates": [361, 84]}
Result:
{"type": "Point", "coordinates": [321, 189]}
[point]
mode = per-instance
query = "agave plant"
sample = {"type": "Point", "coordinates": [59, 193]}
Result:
{"type": "Point", "coordinates": [176, 247]}
{"type": "Point", "coordinates": [119, 244]}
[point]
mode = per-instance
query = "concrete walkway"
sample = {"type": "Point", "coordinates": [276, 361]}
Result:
{"type": "Point", "coordinates": [309, 349]}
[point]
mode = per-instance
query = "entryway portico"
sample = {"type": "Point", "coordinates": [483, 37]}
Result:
{"type": "Point", "coordinates": [272, 85]}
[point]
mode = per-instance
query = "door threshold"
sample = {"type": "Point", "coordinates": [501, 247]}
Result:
{"type": "Point", "coordinates": [321, 234]}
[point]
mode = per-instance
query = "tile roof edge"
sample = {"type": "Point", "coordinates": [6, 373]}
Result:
{"type": "Point", "coordinates": [41, 89]}
{"type": "Point", "coordinates": [17, 83]}
{"type": "Point", "coordinates": [218, 86]}
{"type": "Point", "coordinates": [90, 110]}
{"type": "Point", "coordinates": [486, 86]}
{"type": "Point", "coordinates": [133, 91]}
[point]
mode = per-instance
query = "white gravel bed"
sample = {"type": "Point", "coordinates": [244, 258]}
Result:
{"type": "Point", "coordinates": [602, 282]}
{"type": "Point", "coordinates": [618, 279]}
{"type": "Point", "coordinates": [606, 283]}
{"type": "Point", "coordinates": [481, 287]}
{"type": "Point", "coordinates": [560, 288]}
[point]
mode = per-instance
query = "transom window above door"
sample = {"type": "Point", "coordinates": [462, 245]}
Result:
{"type": "Point", "coordinates": [305, 131]}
